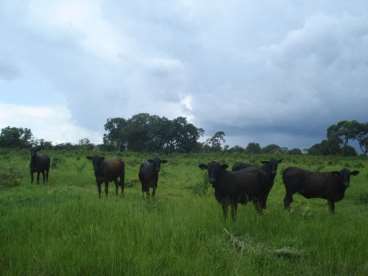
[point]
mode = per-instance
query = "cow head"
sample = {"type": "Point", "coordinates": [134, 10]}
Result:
{"type": "Point", "coordinates": [214, 170]}
{"type": "Point", "coordinates": [35, 150]}
{"type": "Point", "coordinates": [157, 163]}
{"type": "Point", "coordinates": [345, 174]}
{"type": "Point", "coordinates": [97, 162]}
{"type": "Point", "coordinates": [271, 166]}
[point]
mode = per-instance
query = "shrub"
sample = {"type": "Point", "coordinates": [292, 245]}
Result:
{"type": "Point", "coordinates": [9, 177]}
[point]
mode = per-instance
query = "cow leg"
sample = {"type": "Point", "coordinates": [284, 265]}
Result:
{"type": "Point", "coordinates": [224, 210]}
{"type": "Point", "coordinates": [106, 188]}
{"type": "Point", "coordinates": [258, 206]}
{"type": "Point", "coordinates": [116, 187]}
{"type": "Point", "coordinates": [47, 176]}
{"type": "Point", "coordinates": [43, 177]}
{"type": "Point", "coordinates": [153, 191]}
{"type": "Point", "coordinates": [122, 185]}
{"type": "Point", "coordinates": [99, 189]}
{"type": "Point", "coordinates": [263, 203]}
{"type": "Point", "coordinates": [331, 205]}
{"type": "Point", "coordinates": [146, 193]}
{"type": "Point", "coordinates": [38, 177]}
{"type": "Point", "coordinates": [234, 209]}
{"type": "Point", "coordinates": [288, 199]}
{"type": "Point", "coordinates": [31, 177]}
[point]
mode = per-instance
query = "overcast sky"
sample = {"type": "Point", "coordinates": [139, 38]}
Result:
{"type": "Point", "coordinates": [272, 71]}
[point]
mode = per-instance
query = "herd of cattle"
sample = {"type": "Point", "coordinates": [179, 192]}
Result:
{"type": "Point", "coordinates": [244, 183]}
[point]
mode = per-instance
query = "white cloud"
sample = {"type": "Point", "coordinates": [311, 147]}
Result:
{"type": "Point", "coordinates": [82, 19]}
{"type": "Point", "coordinates": [52, 123]}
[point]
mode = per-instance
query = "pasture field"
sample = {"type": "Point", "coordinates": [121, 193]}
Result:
{"type": "Point", "coordinates": [62, 228]}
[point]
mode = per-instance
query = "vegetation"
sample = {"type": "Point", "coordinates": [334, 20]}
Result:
{"type": "Point", "coordinates": [150, 133]}
{"type": "Point", "coordinates": [64, 229]}
{"type": "Point", "coordinates": [338, 137]}
{"type": "Point", "coordinates": [15, 137]}
{"type": "Point", "coordinates": [145, 132]}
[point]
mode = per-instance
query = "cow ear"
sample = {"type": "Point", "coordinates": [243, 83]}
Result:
{"type": "Point", "coordinates": [89, 157]}
{"type": "Point", "coordinates": [354, 173]}
{"type": "Point", "coordinates": [203, 166]}
{"type": "Point", "coordinates": [335, 172]}
{"type": "Point", "coordinates": [163, 161]}
{"type": "Point", "coordinates": [264, 162]}
{"type": "Point", "coordinates": [225, 166]}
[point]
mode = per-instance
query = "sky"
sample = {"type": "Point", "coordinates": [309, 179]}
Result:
{"type": "Point", "coordinates": [262, 71]}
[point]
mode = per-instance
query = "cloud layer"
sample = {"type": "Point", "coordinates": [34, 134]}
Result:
{"type": "Point", "coordinates": [274, 72]}
{"type": "Point", "coordinates": [51, 123]}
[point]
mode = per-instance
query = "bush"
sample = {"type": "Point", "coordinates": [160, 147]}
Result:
{"type": "Point", "coordinates": [10, 178]}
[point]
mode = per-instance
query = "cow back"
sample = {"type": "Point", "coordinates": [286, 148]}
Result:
{"type": "Point", "coordinates": [112, 168]}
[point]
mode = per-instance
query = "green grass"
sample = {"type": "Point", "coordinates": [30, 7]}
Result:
{"type": "Point", "coordinates": [64, 229]}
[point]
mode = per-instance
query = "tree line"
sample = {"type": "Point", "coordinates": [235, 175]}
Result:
{"type": "Point", "coordinates": [151, 133]}
{"type": "Point", "coordinates": [339, 138]}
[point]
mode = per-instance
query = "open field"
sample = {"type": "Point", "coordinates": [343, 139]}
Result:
{"type": "Point", "coordinates": [64, 229]}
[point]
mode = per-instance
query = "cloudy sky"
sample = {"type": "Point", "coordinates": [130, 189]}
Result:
{"type": "Point", "coordinates": [276, 71]}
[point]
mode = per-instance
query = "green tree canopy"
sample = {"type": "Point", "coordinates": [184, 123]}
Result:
{"type": "Point", "coordinates": [272, 148]}
{"type": "Point", "coordinates": [253, 148]}
{"type": "Point", "coordinates": [15, 137]}
{"type": "Point", "coordinates": [215, 143]}
{"type": "Point", "coordinates": [145, 132]}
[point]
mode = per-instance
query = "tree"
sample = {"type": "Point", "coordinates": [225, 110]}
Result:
{"type": "Point", "coordinates": [65, 146]}
{"type": "Point", "coordinates": [253, 148]}
{"type": "Point", "coordinates": [145, 132]}
{"type": "Point", "coordinates": [272, 148]}
{"type": "Point", "coordinates": [236, 148]}
{"type": "Point", "coordinates": [326, 147]}
{"type": "Point", "coordinates": [343, 131]}
{"type": "Point", "coordinates": [295, 151]}
{"type": "Point", "coordinates": [183, 135]}
{"type": "Point", "coordinates": [115, 136]}
{"type": "Point", "coordinates": [362, 137]}
{"type": "Point", "coordinates": [42, 143]}
{"type": "Point", "coordinates": [85, 143]}
{"type": "Point", "coordinates": [216, 141]}
{"type": "Point", "coordinates": [348, 151]}
{"type": "Point", "coordinates": [15, 137]}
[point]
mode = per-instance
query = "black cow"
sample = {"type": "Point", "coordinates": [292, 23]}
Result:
{"type": "Point", "coordinates": [40, 163]}
{"type": "Point", "coordinates": [269, 171]}
{"type": "Point", "coordinates": [232, 188]}
{"type": "Point", "coordinates": [240, 165]}
{"type": "Point", "coordinates": [149, 173]}
{"type": "Point", "coordinates": [328, 185]}
{"type": "Point", "coordinates": [107, 171]}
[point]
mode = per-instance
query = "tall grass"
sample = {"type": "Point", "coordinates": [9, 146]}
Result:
{"type": "Point", "coordinates": [64, 229]}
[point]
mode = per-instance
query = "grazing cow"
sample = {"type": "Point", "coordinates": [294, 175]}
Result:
{"type": "Point", "coordinates": [107, 171]}
{"type": "Point", "coordinates": [40, 163]}
{"type": "Point", "coordinates": [149, 174]}
{"type": "Point", "coordinates": [232, 188]}
{"type": "Point", "coordinates": [328, 185]}
{"type": "Point", "coordinates": [269, 171]}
